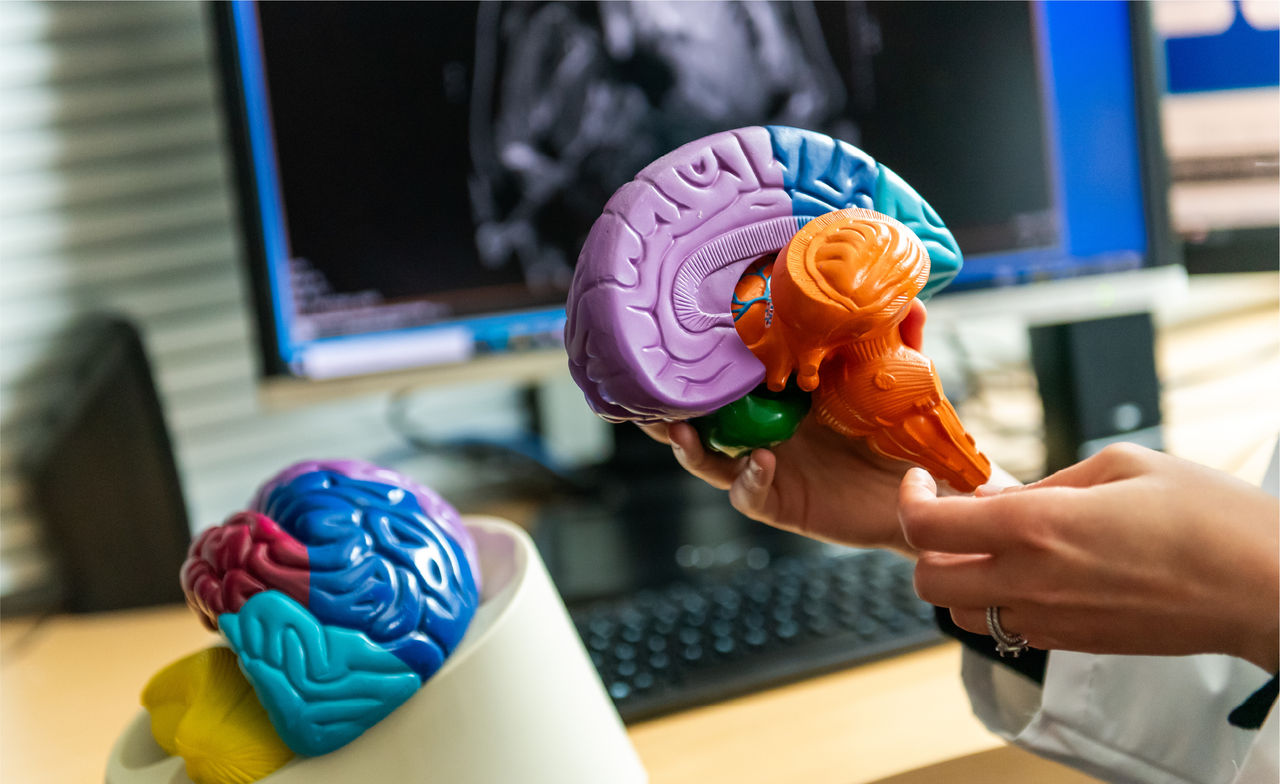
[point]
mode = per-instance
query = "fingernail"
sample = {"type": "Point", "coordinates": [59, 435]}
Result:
{"type": "Point", "coordinates": [755, 471]}
{"type": "Point", "coordinates": [919, 476]}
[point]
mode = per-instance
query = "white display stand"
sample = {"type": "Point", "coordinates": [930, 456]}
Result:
{"type": "Point", "coordinates": [518, 702]}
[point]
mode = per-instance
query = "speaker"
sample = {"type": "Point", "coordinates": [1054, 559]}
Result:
{"type": "Point", "coordinates": [1098, 385]}
{"type": "Point", "coordinates": [103, 478]}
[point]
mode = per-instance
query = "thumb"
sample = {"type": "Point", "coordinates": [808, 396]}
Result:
{"type": "Point", "coordinates": [917, 485]}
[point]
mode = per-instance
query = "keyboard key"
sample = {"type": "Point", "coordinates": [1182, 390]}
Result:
{"type": "Point", "coordinates": [694, 619]}
{"type": "Point", "coordinates": [816, 589]}
{"type": "Point", "coordinates": [820, 625]}
{"type": "Point", "coordinates": [695, 604]}
{"type": "Point", "coordinates": [601, 625]}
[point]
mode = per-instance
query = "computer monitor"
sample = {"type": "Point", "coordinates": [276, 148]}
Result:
{"type": "Point", "coordinates": [416, 179]}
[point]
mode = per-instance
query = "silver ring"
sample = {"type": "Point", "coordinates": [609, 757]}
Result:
{"type": "Point", "coordinates": [1006, 644]}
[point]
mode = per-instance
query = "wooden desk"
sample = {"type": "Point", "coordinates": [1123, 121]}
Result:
{"type": "Point", "coordinates": [69, 685]}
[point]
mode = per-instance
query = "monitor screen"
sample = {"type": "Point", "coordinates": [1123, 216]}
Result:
{"type": "Point", "coordinates": [417, 178]}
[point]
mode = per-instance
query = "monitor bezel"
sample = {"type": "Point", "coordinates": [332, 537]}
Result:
{"type": "Point", "coordinates": [270, 363]}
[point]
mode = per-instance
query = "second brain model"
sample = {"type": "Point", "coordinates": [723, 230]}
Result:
{"type": "Point", "coordinates": [340, 591]}
{"type": "Point", "coordinates": [751, 276]}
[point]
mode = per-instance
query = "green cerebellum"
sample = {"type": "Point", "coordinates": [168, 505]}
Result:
{"type": "Point", "coordinates": [759, 419]}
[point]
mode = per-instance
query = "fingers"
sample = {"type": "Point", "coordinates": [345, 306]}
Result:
{"type": "Point", "coordinates": [749, 480]}
{"type": "Point", "coordinates": [1115, 462]}
{"type": "Point", "coordinates": [951, 525]}
{"type": "Point", "coordinates": [956, 580]}
{"type": "Point", "coordinates": [1001, 481]}
{"type": "Point", "coordinates": [917, 484]}
{"type": "Point", "coordinates": [974, 619]}
{"type": "Point", "coordinates": [657, 431]}
{"type": "Point", "coordinates": [986, 491]}
{"type": "Point", "coordinates": [716, 470]}
{"type": "Point", "coordinates": [752, 490]}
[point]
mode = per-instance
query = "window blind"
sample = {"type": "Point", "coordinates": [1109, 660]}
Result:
{"type": "Point", "coordinates": [115, 195]}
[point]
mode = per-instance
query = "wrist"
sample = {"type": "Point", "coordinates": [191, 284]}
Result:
{"type": "Point", "coordinates": [1261, 643]}
{"type": "Point", "coordinates": [1259, 619]}
{"type": "Point", "coordinates": [1263, 649]}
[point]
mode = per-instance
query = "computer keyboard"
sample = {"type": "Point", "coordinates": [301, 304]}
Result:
{"type": "Point", "coordinates": [703, 640]}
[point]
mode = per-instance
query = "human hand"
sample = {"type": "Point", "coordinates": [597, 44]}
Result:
{"type": "Point", "coordinates": [1130, 551]}
{"type": "Point", "coordinates": [817, 483]}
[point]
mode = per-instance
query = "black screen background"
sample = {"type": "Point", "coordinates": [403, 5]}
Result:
{"type": "Point", "coordinates": [370, 107]}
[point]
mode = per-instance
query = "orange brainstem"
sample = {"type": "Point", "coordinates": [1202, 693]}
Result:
{"type": "Point", "coordinates": [829, 309]}
{"type": "Point", "coordinates": [895, 401]}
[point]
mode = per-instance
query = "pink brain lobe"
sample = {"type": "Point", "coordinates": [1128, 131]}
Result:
{"type": "Point", "coordinates": [246, 555]}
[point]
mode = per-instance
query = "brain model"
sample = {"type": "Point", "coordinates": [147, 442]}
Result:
{"type": "Point", "coordinates": [340, 591]}
{"type": "Point", "coordinates": [750, 275]}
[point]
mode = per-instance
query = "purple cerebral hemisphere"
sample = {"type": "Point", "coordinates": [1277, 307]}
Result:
{"type": "Point", "coordinates": [650, 332]}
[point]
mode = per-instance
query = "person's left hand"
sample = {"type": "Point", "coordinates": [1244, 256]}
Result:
{"type": "Point", "coordinates": [1131, 551]}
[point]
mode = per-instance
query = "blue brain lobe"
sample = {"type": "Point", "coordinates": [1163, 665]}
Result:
{"type": "Point", "coordinates": [380, 565]}
{"type": "Point", "coordinates": [322, 686]}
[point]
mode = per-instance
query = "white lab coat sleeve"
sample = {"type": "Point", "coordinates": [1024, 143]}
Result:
{"type": "Point", "coordinates": [1131, 718]}
{"type": "Point", "coordinates": [1135, 718]}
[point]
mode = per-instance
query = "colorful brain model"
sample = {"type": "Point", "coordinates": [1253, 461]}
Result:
{"type": "Point", "coordinates": [754, 274]}
{"type": "Point", "coordinates": [340, 591]}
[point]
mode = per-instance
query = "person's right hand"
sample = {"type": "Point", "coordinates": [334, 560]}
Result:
{"type": "Point", "coordinates": [817, 483]}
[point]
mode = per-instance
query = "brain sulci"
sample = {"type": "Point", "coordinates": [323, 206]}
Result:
{"type": "Point", "coordinates": [375, 582]}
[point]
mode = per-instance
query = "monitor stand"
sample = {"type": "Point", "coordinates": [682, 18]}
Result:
{"type": "Point", "coordinates": [1098, 385]}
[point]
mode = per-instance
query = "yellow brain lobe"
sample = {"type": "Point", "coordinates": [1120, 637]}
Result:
{"type": "Point", "coordinates": [204, 710]}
